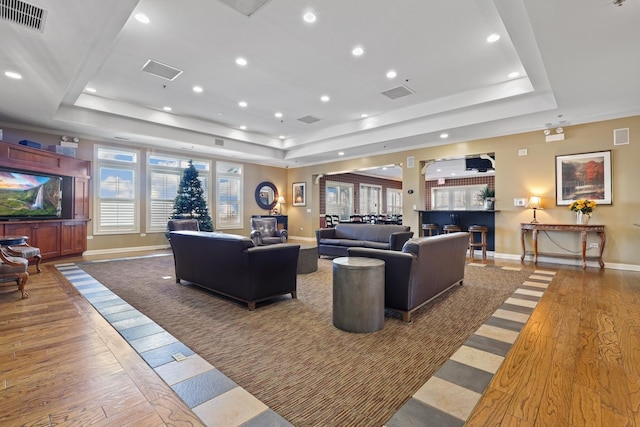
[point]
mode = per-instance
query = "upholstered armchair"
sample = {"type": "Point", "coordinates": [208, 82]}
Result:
{"type": "Point", "coordinates": [14, 268]}
{"type": "Point", "coordinates": [264, 231]}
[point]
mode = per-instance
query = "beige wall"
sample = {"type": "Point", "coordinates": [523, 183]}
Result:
{"type": "Point", "coordinates": [519, 177]}
{"type": "Point", "coordinates": [253, 175]}
{"type": "Point", "coordinates": [516, 177]}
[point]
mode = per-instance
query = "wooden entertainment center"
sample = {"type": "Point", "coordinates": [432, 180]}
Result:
{"type": "Point", "coordinates": [55, 237]}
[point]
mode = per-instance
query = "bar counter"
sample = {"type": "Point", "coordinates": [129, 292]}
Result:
{"type": "Point", "coordinates": [462, 218]}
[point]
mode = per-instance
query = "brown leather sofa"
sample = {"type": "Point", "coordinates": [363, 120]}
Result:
{"type": "Point", "coordinates": [335, 241]}
{"type": "Point", "coordinates": [232, 265]}
{"type": "Point", "coordinates": [425, 268]}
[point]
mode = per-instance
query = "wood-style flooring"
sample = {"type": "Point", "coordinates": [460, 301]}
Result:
{"type": "Point", "coordinates": [576, 362]}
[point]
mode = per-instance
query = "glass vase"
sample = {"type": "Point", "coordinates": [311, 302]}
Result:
{"type": "Point", "coordinates": [582, 218]}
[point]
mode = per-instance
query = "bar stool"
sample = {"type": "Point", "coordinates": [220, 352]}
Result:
{"type": "Point", "coordinates": [433, 229]}
{"type": "Point", "coordinates": [473, 244]}
{"type": "Point", "coordinates": [451, 228]}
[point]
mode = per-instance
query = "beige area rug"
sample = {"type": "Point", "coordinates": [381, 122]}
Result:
{"type": "Point", "coordinates": [288, 353]}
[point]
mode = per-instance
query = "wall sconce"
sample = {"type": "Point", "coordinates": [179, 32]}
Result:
{"type": "Point", "coordinates": [535, 204]}
{"type": "Point", "coordinates": [550, 136]}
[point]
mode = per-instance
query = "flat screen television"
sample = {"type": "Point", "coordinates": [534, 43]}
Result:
{"type": "Point", "coordinates": [26, 195]}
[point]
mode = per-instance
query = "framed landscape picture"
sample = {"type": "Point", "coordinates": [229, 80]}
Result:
{"type": "Point", "coordinates": [584, 176]}
{"type": "Point", "coordinates": [299, 194]}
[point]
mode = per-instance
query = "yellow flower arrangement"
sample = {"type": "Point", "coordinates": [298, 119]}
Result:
{"type": "Point", "coordinates": [583, 205]}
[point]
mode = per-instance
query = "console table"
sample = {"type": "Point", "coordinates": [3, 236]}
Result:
{"type": "Point", "coordinates": [574, 228]}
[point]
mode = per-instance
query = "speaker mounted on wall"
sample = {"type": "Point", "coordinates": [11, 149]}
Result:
{"type": "Point", "coordinates": [621, 136]}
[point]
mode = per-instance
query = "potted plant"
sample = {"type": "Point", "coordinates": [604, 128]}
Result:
{"type": "Point", "coordinates": [488, 194]}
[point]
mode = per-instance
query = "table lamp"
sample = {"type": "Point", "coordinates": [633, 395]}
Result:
{"type": "Point", "coordinates": [534, 203]}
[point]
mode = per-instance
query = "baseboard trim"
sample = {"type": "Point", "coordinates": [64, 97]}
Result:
{"type": "Point", "coordinates": [574, 262]}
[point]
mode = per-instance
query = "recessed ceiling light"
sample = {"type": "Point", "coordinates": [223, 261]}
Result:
{"type": "Point", "coordinates": [141, 17]}
{"type": "Point", "coordinates": [325, 98]}
{"type": "Point", "coordinates": [281, 137]}
{"type": "Point", "coordinates": [241, 61]}
{"type": "Point", "coordinates": [357, 51]}
{"type": "Point", "coordinates": [364, 115]}
{"type": "Point", "coordinates": [90, 90]}
{"type": "Point", "coordinates": [514, 75]}
{"type": "Point", "coordinates": [391, 74]}
{"type": "Point", "coordinates": [444, 135]}
{"type": "Point", "coordinates": [341, 153]}
{"type": "Point", "coordinates": [309, 17]}
{"type": "Point", "coordinates": [493, 38]}
{"type": "Point", "coordinates": [242, 104]}
{"type": "Point", "coordinates": [438, 170]}
{"type": "Point", "coordinates": [453, 174]}
{"type": "Point", "coordinates": [167, 108]}
{"type": "Point", "coordinates": [197, 89]}
{"type": "Point", "coordinates": [243, 127]}
{"type": "Point", "coordinates": [12, 75]}
{"type": "Point", "coordinates": [278, 114]}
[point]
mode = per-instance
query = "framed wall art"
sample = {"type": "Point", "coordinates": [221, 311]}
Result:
{"type": "Point", "coordinates": [584, 176]}
{"type": "Point", "coordinates": [299, 194]}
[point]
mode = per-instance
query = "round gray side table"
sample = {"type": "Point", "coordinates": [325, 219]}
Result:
{"type": "Point", "coordinates": [358, 294]}
{"type": "Point", "coordinates": [307, 259]}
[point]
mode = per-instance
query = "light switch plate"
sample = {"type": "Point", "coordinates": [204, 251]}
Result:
{"type": "Point", "coordinates": [519, 202]}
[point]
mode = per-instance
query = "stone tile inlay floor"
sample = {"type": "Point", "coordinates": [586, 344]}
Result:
{"type": "Point", "coordinates": [446, 399]}
{"type": "Point", "coordinates": [451, 394]}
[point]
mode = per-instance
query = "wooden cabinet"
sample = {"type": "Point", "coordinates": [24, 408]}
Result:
{"type": "Point", "coordinates": [73, 237]}
{"type": "Point", "coordinates": [55, 237]}
{"type": "Point", "coordinates": [80, 198]}
{"type": "Point", "coordinates": [42, 234]}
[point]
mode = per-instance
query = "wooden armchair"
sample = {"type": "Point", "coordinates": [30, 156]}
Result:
{"type": "Point", "coordinates": [15, 268]}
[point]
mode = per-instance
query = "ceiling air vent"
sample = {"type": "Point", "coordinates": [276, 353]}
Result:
{"type": "Point", "coordinates": [24, 14]}
{"type": "Point", "coordinates": [398, 92]}
{"type": "Point", "coordinates": [309, 119]}
{"type": "Point", "coordinates": [219, 142]}
{"type": "Point", "coordinates": [245, 7]}
{"type": "Point", "coordinates": [161, 70]}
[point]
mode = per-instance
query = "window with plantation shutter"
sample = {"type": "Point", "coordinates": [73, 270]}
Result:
{"type": "Point", "coordinates": [117, 188]}
{"type": "Point", "coordinates": [164, 175]}
{"type": "Point", "coordinates": [163, 188]}
{"type": "Point", "coordinates": [229, 195]}
{"type": "Point", "coordinates": [394, 201]}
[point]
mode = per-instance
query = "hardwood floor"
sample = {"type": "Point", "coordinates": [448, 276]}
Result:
{"type": "Point", "coordinates": [576, 362]}
{"type": "Point", "coordinates": [63, 364]}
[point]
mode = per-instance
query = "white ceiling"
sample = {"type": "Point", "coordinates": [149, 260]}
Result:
{"type": "Point", "coordinates": [578, 62]}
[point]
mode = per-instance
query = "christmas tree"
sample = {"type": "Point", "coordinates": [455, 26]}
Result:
{"type": "Point", "coordinates": [189, 202]}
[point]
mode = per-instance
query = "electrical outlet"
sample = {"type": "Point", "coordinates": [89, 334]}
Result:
{"type": "Point", "coordinates": [594, 245]}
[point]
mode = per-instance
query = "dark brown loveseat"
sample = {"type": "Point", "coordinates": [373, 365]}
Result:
{"type": "Point", "coordinates": [335, 241]}
{"type": "Point", "coordinates": [426, 267]}
{"type": "Point", "coordinates": [231, 265]}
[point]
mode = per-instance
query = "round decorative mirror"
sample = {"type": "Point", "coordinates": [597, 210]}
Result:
{"type": "Point", "coordinates": [266, 195]}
